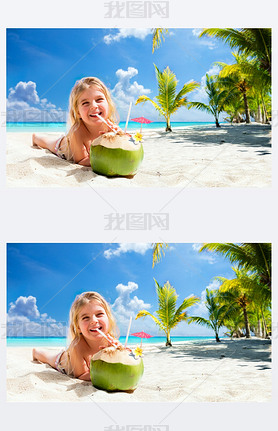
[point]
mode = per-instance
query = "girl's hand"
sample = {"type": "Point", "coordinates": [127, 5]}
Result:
{"type": "Point", "coordinates": [113, 126]}
{"type": "Point", "coordinates": [112, 341]}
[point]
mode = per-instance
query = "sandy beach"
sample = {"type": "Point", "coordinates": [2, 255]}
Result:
{"type": "Point", "coordinates": [200, 371]}
{"type": "Point", "coordinates": [232, 156]}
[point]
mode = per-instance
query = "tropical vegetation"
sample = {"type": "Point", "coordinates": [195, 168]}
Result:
{"type": "Point", "coordinates": [218, 313]}
{"type": "Point", "coordinates": [241, 304]}
{"type": "Point", "coordinates": [168, 100]}
{"type": "Point", "coordinates": [254, 42]}
{"type": "Point", "coordinates": [218, 97]}
{"type": "Point", "coordinates": [168, 315]}
{"type": "Point", "coordinates": [248, 294]}
{"type": "Point", "coordinates": [242, 90]}
{"type": "Point", "coordinates": [255, 257]}
{"type": "Point", "coordinates": [158, 37]}
{"type": "Point", "coordinates": [158, 251]}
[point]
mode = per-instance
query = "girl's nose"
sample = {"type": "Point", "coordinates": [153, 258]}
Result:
{"type": "Point", "coordinates": [94, 319]}
{"type": "Point", "coordinates": [94, 104]}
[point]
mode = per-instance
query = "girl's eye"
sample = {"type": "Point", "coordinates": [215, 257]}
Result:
{"type": "Point", "coordinates": [85, 318]}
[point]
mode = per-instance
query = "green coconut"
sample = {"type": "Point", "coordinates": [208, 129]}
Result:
{"type": "Point", "coordinates": [116, 369]}
{"type": "Point", "coordinates": [116, 154]}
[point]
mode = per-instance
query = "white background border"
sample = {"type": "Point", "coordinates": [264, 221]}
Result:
{"type": "Point", "coordinates": [199, 215]}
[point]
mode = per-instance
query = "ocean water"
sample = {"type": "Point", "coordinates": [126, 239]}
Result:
{"type": "Point", "coordinates": [62, 127]}
{"type": "Point", "coordinates": [62, 341]}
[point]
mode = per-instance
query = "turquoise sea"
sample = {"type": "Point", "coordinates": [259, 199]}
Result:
{"type": "Point", "coordinates": [61, 127]}
{"type": "Point", "coordinates": [62, 341]}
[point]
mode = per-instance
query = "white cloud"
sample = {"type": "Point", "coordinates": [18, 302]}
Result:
{"type": "Point", "coordinates": [24, 306]}
{"type": "Point", "coordinates": [197, 246]}
{"type": "Point", "coordinates": [140, 248]}
{"type": "Point", "coordinates": [196, 31]}
{"type": "Point", "coordinates": [204, 40]}
{"type": "Point", "coordinates": [25, 92]}
{"type": "Point", "coordinates": [123, 33]}
{"type": "Point", "coordinates": [204, 255]}
{"type": "Point", "coordinates": [24, 104]}
{"type": "Point", "coordinates": [24, 319]}
{"type": "Point", "coordinates": [126, 306]}
{"type": "Point", "coordinates": [126, 91]}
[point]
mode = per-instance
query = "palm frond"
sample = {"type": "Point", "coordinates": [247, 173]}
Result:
{"type": "Point", "coordinates": [158, 252]}
{"type": "Point", "coordinates": [144, 313]}
{"type": "Point", "coordinates": [158, 37]}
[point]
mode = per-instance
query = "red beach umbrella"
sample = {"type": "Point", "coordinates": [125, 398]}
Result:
{"type": "Point", "coordinates": [141, 120]}
{"type": "Point", "coordinates": [141, 335]}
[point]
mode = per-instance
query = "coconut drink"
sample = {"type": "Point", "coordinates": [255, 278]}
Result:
{"type": "Point", "coordinates": [116, 154]}
{"type": "Point", "coordinates": [116, 369]}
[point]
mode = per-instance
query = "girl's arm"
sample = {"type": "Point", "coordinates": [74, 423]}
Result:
{"type": "Point", "coordinates": [85, 161]}
{"type": "Point", "coordinates": [79, 366]}
{"type": "Point", "coordinates": [79, 151]}
{"type": "Point", "coordinates": [85, 376]}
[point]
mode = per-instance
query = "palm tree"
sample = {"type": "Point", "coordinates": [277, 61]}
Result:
{"type": "Point", "coordinates": [254, 42]}
{"type": "Point", "coordinates": [254, 257]}
{"type": "Point", "coordinates": [218, 98]}
{"type": "Point", "coordinates": [239, 76]}
{"type": "Point", "coordinates": [261, 306]}
{"type": "Point", "coordinates": [158, 251]}
{"type": "Point", "coordinates": [168, 316]}
{"type": "Point", "coordinates": [217, 313]}
{"type": "Point", "coordinates": [235, 109]}
{"type": "Point", "coordinates": [168, 102]}
{"type": "Point", "coordinates": [234, 324]}
{"type": "Point", "coordinates": [239, 291]}
{"type": "Point", "coordinates": [158, 37]}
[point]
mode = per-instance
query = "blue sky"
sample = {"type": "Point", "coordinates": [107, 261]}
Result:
{"type": "Point", "coordinates": [44, 279]}
{"type": "Point", "coordinates": [44, 64]}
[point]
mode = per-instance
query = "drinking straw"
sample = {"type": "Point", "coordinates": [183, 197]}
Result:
{"type": "Point", "coordinates": [104, 121]}
{"type": "Point", "coordinates": [128, 330]}
{"type": "Point", "coordinates": [102, 333]}
{"type": "Point", "coordinates": [128, 115]}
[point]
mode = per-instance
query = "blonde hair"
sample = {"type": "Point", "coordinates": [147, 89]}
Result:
{"type": "Point", "coordinates": [78, 88]}
{"type": "Point", "coordinates": [79, 302]}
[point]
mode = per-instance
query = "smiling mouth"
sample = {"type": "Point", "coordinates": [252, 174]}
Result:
{"type": "Point", "coordinates": [95, 115]}
{"type": "Point", "coordinates": [95, 331]}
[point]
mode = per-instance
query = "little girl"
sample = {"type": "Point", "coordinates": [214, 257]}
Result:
{"type": "Point", "coordinates": [88, 97]}
{"type": "Point", "coordinates": [88, 312]}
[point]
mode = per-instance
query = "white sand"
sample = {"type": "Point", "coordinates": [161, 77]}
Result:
{"type": "Point", "coordinates": [232, 156]}
{"type": "Point", "coordinates": [203, 371]}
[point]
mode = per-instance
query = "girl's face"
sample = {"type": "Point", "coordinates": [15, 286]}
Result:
{"type": "Point", "coordinates": [92, 316]}
{"type": "Point", "coordinates": [92, 101]}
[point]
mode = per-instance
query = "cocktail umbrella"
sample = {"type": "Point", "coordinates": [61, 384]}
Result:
{"type": "Point", "coordinates": [141, 120]}
{"type": "Point", "coordinates": [141, 335]}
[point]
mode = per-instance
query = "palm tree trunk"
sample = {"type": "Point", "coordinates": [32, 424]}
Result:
{"type": "Point", "coordinates": [168, 339]}
{"type": "Point", "coordinates": [168, 125]}
{"type": "Point", "coordinates": [265, 113]}
{"type": "Point", "coordinates": [265, 327]}
{"type": "Point", "coordinates": [246, 321]}
{"type": "Point", "coordinates": [217, 337]}
{"type": "Point", "coordinates": [217, 123]}
{"type": "Point", "coordinates": [246, 107]}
